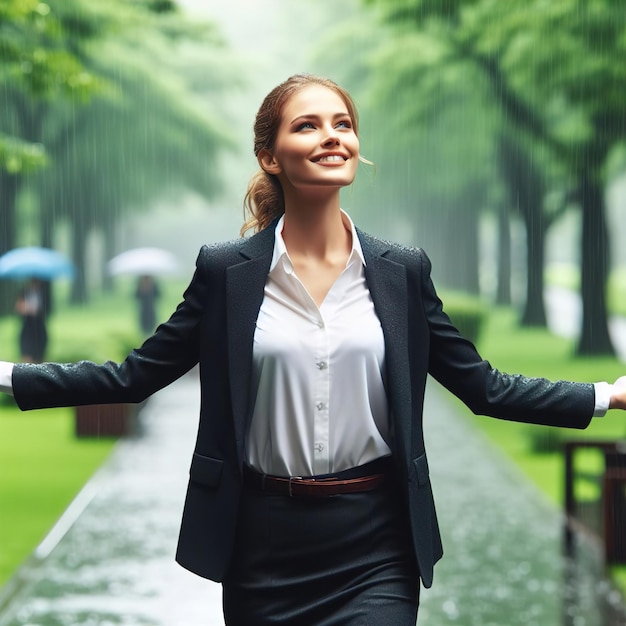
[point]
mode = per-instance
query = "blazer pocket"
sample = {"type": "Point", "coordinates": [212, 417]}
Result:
{"type": "Point", "coordinates": [205, 470]}
{"type": "Point", "coordinates": [420, 466]}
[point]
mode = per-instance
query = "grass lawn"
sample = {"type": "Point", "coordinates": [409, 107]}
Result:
{"type": "Point", "coordinates": [42, 465]}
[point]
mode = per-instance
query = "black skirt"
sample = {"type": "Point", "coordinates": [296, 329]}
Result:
{"type": "Point", "coordinates": [330, 561]}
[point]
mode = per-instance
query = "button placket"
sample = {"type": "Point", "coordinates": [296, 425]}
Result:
{"type": "Point", "coordinates": [321, 398]}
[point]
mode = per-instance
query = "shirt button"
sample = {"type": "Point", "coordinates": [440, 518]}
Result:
{"type": "Point", "coordinates": [320, 406]}
{"type": "Point", "coordinates": [321, 365]}
{"type": "Point", "coordinates": [319, 447]}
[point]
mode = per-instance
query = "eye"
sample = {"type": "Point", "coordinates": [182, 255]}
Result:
{"type": "Point", "coordinates": [344, 124]}
{"type": "Point", "coordinates": [304, 126]}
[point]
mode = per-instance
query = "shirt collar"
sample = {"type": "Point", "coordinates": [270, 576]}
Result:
{"type": "Point", "coordinates": [280, 250]}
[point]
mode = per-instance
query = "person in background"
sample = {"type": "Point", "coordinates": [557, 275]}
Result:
{"type": "Point", "coordinates": [147, 293]}
{"type": "Point", "coordinates": [31, 307]}
{"type": "Point", "coordinates": [309, 494]}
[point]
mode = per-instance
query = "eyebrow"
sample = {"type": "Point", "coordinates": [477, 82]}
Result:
{"type": "Point", "coordinates": [315, 116]}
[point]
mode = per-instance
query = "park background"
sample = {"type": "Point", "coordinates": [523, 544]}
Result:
{"type": "Point", "coordinates": [497, 130]}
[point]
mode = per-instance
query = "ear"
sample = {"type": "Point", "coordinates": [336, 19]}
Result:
{"type": "Point", "coordinates": [268, 163]}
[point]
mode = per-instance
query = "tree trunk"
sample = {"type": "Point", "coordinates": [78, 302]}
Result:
{"type": "Point", "coordinates": [594, 336]}
{"type": "Point", "coordinates": [109, 253]}
{"type": "Point", "coordinates": [503, 287]}
{"type": "Point", "coordinates": [534, 313]}
{"type": "Point", "coordinates": [460, 263]}
{"type": "Point", "coordinates": [9, 187]}
{"type": "Point", "coordinates": [525, 186]}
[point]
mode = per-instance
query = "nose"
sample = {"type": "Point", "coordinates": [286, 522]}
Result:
{"type": "Point", "coordinates": [331, 137]}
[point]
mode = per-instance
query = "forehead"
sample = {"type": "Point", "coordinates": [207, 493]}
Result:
{"type": "Point", "coordinates": [313, 100]}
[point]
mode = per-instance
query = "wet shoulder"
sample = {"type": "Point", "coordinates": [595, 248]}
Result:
{"type": "Point", "coordinates": [400, 253]}
{"type": "Point", "coordinates": [220, 253]}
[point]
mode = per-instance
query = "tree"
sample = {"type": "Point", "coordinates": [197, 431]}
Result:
{"type": "Point", "coordinates": [145, 114]}
{"type": "Point", "coordinates": [542, 59]}
{"type": "Point", "coordinates": [34, 67]}
{"type": "Point", "coordinates": [147, 135]}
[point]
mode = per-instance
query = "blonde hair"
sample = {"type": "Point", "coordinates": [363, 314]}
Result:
{"type": "Point", "coordinates": [264, 200]}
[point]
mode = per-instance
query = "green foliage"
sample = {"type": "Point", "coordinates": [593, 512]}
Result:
{"type": "Point", "coordinates": [18, 156]}
{"type": "Point", "coordinates": [33, 51]}
{"type": "Point", "coordinates": [557, 67]}
{"type": "Point", "coordinates": [34, 61]}
{"type": "Point", "coordinates": [143, 133]}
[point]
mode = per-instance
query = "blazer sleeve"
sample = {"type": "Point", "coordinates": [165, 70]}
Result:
{"type": "Point", "coordinates": [165, 356]}
{"type": "Point", "coordinates": [457, 365]}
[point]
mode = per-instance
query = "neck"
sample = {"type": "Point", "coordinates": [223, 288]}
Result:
{"type": "Point", "coordinates": [314, 226]}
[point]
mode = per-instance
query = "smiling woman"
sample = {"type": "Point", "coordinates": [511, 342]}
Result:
{"type": "Point", "coordinates": [316, 144]}
{"type": "Point", "coordinates": [309, 495]}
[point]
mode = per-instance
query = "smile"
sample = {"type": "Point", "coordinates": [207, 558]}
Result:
{"type": "Point", "coordinates": [331, 158]}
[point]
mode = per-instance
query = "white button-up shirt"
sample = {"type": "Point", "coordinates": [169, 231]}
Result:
{"type": "Point", "coordinates": [318, 373]}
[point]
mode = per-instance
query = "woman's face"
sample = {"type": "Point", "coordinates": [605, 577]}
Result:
{"type": "Point", "coordinates": [316, 145]}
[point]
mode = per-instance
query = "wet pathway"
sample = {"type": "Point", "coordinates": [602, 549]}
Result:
{"type": "Point", "coordinates": [110, 560]}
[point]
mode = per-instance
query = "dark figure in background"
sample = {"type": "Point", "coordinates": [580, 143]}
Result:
{"type": "Point", "coordinates": [147, 293]}
{"type": "Point", "coordinates": [31, 307]}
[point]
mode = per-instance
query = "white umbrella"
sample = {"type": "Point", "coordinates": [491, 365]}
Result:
{"type": "Point", "coordinates": [144, 261]}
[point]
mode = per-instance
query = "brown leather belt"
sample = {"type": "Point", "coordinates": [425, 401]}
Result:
{"type": "Point", "coordinates": [296, 486]}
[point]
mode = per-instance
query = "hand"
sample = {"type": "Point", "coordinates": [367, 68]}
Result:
{"type": "Point", "coordinates": [618, 397]}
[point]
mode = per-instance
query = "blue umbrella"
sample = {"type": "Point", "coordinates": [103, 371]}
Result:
{"type": "Point", "coordinates": [34, 262]}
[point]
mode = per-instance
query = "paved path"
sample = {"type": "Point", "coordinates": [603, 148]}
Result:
{"type": "Point", "coordinates": [110, 561]}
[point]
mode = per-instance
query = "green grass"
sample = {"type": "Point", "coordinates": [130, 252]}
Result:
{"type": "Point", "coordinates": [42, 465]}
{"type": "Point", "coordinates": [43, 468]}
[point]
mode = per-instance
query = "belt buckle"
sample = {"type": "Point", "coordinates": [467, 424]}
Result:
{"type": "Point", "coordinates": [291, 479]}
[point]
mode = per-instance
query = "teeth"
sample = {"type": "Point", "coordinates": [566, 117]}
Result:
{"type": "Point", "coordinates": [331, 158]}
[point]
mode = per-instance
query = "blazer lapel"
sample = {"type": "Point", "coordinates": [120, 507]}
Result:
{"type": "Point", "coordinates": [387, 283]}
{"type": "Point", "coordinates": [245, 284]}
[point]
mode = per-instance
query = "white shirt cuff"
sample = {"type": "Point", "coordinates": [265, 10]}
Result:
{"type": "Point", "coordinates": [6, 375]}
{"type": "Point", "coordinates": [603, 398]}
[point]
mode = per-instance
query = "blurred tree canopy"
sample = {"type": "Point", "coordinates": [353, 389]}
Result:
{"type": "Point", "coordinates": [33, 60]}
{"type": "Point", "coordinates": [145, 130]}
{"type": "Point", "coordinates": [552, 75]}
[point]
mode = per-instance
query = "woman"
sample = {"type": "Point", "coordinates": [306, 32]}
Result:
{"type": "Point", "coordinates": [30, 306]}
{"type": "Point", "coordinates": [147, 293]}
{"type": "Point", "coordinates": [309, 495]}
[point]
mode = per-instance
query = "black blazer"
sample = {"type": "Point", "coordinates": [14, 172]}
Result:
{"type": "Point", "coordinates": [214, 326]}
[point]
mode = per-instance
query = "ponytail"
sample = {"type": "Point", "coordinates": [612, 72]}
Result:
{"type": "Point", "coordinates": [262, 203]}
